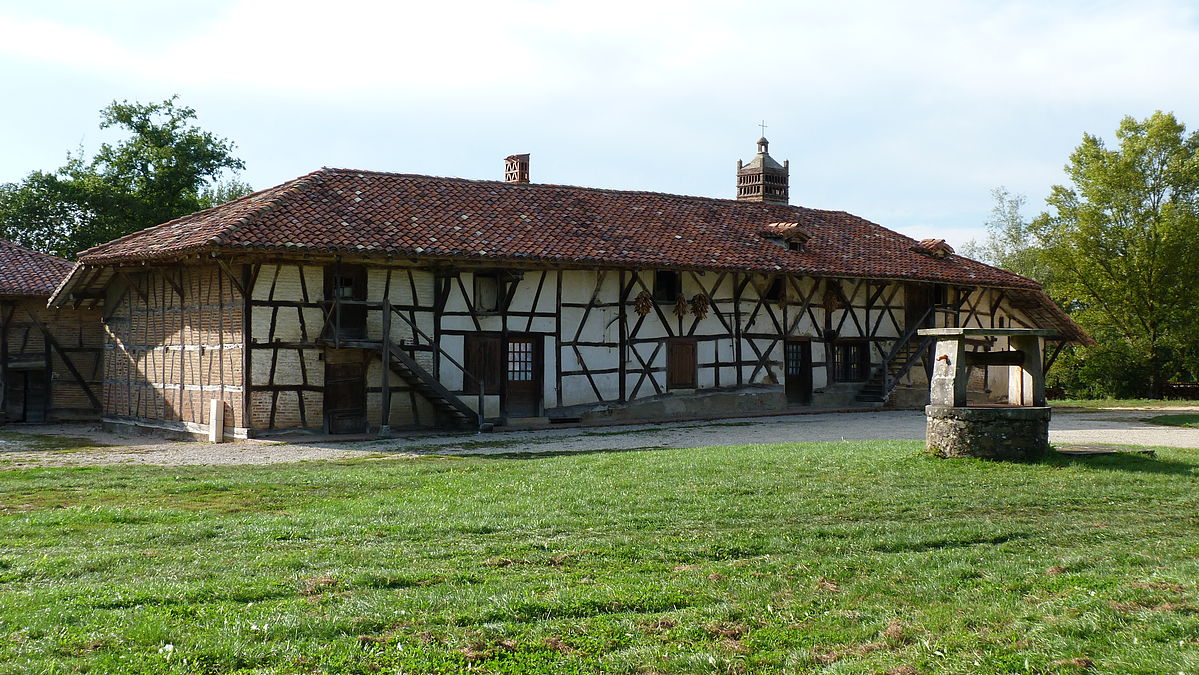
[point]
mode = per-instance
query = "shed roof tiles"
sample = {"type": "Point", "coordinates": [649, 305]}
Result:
{"type": "Point", "coordinates": [24, 271]}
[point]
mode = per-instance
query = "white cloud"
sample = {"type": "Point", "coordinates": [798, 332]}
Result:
{"type": "Point", "coordinates": [899, 111]}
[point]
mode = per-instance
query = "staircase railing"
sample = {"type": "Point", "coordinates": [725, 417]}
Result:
{"type": "Point", "coordinates": [388, 346]}
{"type": "Point", "coordinates": [883, 370]}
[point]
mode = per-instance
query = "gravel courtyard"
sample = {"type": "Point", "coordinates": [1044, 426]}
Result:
{"type": "Point", "coordinates": [92, 446]}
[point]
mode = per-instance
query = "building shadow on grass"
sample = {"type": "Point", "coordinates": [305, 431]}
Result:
{"type": "Point", "coordinates": [539, 454]}
{"type": "Point", "coordinates": [1123, 461]}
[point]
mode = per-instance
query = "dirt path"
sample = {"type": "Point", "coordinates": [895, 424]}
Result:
{"type": "Point", "coordinates": [25, 445]}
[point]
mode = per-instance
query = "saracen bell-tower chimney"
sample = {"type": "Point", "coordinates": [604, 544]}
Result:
{"type": "Point", "coordinates": [763, 179]}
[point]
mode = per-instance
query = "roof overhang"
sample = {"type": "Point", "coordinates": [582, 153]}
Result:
{"type": "Point", "coordinates": [83, 287]}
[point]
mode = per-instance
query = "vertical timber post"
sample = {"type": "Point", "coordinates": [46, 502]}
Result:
{"type": "Point", "coordinates": [247, 361]}
{"type": "Point", "coordinates": [737, 327]}
{"type": "Point", "coordinates": [622, 347]}
{"type": "Point", "coordinates": [6, 313]}
{"type": "Point", "coordinates": [385, 375]}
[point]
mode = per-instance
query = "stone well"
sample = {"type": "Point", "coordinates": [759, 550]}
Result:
{"type": "Point", "coordinates": [1019, 431]}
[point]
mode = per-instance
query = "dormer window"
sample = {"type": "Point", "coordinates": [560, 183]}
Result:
{"type": "Point", "coordinates": [933, 248]}
{"type": "Point", "coordinates": [786, 235]}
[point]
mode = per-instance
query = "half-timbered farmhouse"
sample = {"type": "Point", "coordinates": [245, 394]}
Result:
{"type": "Point", "coordinates": [50, 360]}
{"type": "Point", "coordinates": [358, 300]}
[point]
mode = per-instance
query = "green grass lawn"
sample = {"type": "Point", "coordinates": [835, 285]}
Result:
{"type": "Point", "coordinates": [833, 557]}
{"type": "Point", "coordinates": [1189, 421]}
{"type": "Point", "coordinates": [1122, 403]}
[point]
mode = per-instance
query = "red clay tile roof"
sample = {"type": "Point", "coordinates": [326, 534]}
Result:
{"type": "Point", "coordinates": [365, 212]}
{"type": "Point", "coordinates": [24, 271]}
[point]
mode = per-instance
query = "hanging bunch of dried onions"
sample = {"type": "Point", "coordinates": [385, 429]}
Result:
{"type": "Point", "coordinates": [680, 306]}
{"type": "Point", "coordinates": [644, 303]}
{"type": "Point", "coordinates": [699, 305]}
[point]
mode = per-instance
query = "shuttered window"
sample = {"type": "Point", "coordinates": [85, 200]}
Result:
{"type": "Point", "coordinates": [680, 364]}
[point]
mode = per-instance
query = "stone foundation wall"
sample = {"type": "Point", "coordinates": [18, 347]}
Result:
{"type": "Point", "coordinates": [988, 433]}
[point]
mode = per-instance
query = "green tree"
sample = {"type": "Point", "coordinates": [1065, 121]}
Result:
{"type": "Point", "coordinates": [166, 167]}
{"type": "Point", "coordinates": [1122, 243]}
{"type": "Point", "coordinates": [1010, 242]}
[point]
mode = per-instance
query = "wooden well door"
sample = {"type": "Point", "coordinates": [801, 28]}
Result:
{"type": "Point", "coordinates": [345, 395]}
{"type": "Point", "coordinates": [681, 364]}
{"type": "Point", "coordinates": [797, 356]}
{"type": "Point", "coordinates": [522, 376]}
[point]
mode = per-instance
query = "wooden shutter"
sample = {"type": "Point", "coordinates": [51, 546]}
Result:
{"type": "Point", "coordinates": [680, 364]}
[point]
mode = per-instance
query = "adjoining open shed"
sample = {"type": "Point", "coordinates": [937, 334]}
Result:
{"type": "Point", "coordinates": [51, 360]}
{"type": "Point", "coordinates": [351, 301]}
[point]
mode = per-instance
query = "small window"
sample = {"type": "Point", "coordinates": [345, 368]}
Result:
{"type": "Point", "coordinates": [775, 290]}
{"type": "Point", "coordinates": [851, 360]}
{"type": "Point", "coordinates": [487, 293]}
{"type": "Point", "coordinates": [343, 287]}
{"type": "Point", "coordinates": [668, 286]}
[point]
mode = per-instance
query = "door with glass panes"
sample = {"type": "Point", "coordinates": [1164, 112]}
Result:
{"type": "Point", "coordinates": [798, 371]}
{"type": "Point", "coordinates": [522, 376]}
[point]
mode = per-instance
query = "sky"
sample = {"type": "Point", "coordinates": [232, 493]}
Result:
{"type": "Point", "coordinates": [907, 114]}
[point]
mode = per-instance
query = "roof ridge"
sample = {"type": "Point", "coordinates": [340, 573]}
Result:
{"type": "Point", "coordinates": [723, 200]}
{"type": "Point", "coordinates": [13, 244]}
{"type": "Point", "coordinates": [285, 190]}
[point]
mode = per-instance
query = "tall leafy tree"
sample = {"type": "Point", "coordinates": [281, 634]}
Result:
{"type": "Point", "coordinates": [1122, 241]}
{"type": "Point", "coordinates": [1011, 241]}
{"type": "Point", "coordinates": [165, 168]}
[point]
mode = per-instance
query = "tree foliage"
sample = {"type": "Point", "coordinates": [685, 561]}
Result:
{"type": "Point", "coordinates": [166, 167]}
{"type": "Point", "coordinates": [1011, 241]}
{"type": "Point", "coordinates": [1121, 244]}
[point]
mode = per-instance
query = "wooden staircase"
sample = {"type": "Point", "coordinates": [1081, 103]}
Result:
{"type": "Point", "coordinates": [451, 408]}
{"type": "Point", "coordinates": [909, 349]}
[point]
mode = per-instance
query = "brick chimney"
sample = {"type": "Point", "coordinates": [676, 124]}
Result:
{"type": "Point", "coordinates": [516, 168]}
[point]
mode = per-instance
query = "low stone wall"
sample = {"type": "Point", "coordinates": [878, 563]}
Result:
{"type": "Point", "coordinates": [988, 433]}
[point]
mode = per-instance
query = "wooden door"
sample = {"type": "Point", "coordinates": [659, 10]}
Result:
{"type": "Point", "coordinates": [14, 396]}
{"type": "Point", "coordinates": [522, 376]}
{"type": "Point", "coordinates": [680, 364]}
{"type": "Point", "coordinates": [797, 357]}
{"type": "Point", "coordinates": [918, 298]}
{"type": "Point", "coordinates": [345, 397]}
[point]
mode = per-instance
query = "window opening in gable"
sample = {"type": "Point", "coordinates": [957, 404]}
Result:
{"type": "Point", "coordinates": [668, 285]}
{"type": "Point", "coordinates": [488, 292]}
